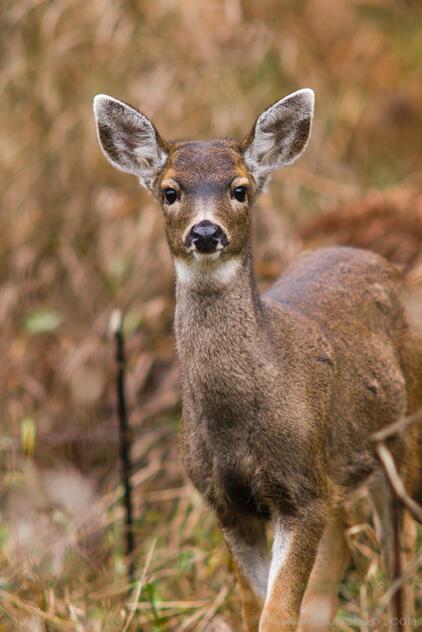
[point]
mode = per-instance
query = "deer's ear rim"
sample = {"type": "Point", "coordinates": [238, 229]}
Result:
{"type": "Point", "coordinates": [299, 106]}
{"type": "Point", "coordinates": [131, 158]}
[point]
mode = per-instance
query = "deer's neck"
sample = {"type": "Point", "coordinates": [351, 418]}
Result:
{"type": "Point", "coordinates": [220, 332]}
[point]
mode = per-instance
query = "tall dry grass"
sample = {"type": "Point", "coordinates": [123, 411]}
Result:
{"type": "Point", "coordinates": [78, 239]}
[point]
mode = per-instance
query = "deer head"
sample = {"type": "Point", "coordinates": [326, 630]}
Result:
{"type": "Point", "coordinates": [206, 188]}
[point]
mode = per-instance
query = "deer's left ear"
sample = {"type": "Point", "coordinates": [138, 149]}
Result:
{"type": "Point", "coordinates": [280, 134]}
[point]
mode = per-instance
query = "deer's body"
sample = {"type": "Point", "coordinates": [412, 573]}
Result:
{"type": "Point", "coordinates": [330, 330]}
{"type": "Point", "coordinates": [281, 392]}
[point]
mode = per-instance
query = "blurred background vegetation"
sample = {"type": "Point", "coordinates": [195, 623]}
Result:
{"type": "Point", "coordinates": [78, 239]}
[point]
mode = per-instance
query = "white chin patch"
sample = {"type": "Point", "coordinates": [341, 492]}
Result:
{"type": "Point", "coordinates": [201, 256]}
{"type": "Point", "coordinates": [206, 269]}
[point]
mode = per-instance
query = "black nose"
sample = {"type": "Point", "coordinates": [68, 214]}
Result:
{"type": "Point", "coordinates": [205, 236]}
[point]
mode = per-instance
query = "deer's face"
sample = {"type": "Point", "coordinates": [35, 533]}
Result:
{"type": "Point", "coordinates": [206, 191]}
{"type": "Point", "coordinates": [206, 188]}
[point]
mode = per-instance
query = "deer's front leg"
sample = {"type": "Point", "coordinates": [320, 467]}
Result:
{"type": "Point", "coordinates": [319, 604]}
{"type": "Point", "coordinates": [247, 543]}
{"type": "Point", "coordinates": [294, 551]}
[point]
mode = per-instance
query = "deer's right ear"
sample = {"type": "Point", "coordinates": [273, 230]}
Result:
{"type": "Point", "coordinates": [128, 139]}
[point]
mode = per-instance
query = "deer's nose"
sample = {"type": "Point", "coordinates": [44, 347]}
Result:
{"type": "Point", "coordinates": [206, 236]}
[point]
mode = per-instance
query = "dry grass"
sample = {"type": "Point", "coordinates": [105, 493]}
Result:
{"type": "Point", "coordinates": [78, 239]}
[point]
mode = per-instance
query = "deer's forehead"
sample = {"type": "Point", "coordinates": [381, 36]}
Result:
{"type": "Point", "coordinates": [198, 165]}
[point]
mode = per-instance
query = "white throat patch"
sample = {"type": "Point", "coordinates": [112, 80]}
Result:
{"type": "Point", "coordinates": [205, 270]}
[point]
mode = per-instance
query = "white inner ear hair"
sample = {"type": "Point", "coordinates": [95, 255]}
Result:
{"type": "Point", "coordinates": [148, 155]}
{"type": "Point", "coordinates": [262, 144]}
{"type": "Point", "coordinates": [206, 269]}
{"type": "Point", "coordinates": [133, 136]}
{"type": "Point", "coordinates": [267, 152]}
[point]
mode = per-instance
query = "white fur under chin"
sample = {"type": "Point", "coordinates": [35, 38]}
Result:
{"type": "Point", "coordinates": [206, 269]}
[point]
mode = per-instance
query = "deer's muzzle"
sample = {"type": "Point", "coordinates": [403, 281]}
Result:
{"type": "Point", "coordinates": [206, 237]}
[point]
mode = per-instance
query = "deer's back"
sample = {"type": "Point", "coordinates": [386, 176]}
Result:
{"type": "Point", "coordinates": [344, 290]}
{"type": "Point", "coordinates": [352, 296]}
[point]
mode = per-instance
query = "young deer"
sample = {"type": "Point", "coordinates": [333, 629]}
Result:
{"type": "Point", "coordinates": [280, 392]}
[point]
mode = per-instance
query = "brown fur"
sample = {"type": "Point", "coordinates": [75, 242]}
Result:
{"type": "Point", "coordinates": [186, 165]}
{"type": "Point", "coordinates": [280, 392]}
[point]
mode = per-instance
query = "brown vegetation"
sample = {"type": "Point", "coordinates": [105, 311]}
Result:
{"type": "Point", "coordinates": [388, 222]}
{"type": "Point", "coordinates": [77, 239]}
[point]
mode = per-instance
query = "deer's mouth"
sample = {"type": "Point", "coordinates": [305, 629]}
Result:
{"type": "Point", "coordinates": [207, 256]}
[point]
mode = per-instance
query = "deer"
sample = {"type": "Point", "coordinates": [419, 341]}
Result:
{"type": "Point", "coordinates": [280, 391]}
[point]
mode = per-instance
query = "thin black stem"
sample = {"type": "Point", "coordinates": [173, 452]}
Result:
{"type": "Point", "coordinates": [116, 325]}
{"type": "Point", "coordinates": [398, 598]}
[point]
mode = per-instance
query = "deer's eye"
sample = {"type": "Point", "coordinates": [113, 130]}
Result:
{"type": "Point", "coordinates": [239, 193]}
{"type": "Point", "coordinates": [170, 195]}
